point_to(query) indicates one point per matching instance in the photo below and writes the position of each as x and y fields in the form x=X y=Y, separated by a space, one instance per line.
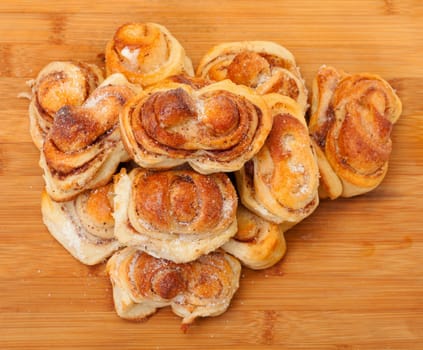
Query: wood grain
x=353 y=274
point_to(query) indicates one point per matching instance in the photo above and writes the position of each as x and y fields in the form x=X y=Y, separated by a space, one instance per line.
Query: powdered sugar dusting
x=199 y=104
x=131 y=56
x=262 y=78
x=296 y=168
x=286 y=141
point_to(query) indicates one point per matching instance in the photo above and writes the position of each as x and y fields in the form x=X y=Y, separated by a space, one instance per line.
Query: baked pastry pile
x=181 y=179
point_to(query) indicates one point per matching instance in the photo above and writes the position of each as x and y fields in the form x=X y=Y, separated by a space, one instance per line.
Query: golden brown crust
x=84 y=226
x=258 y=243
x=351 y=122
x=59 y=84
x=177 y=214
x=262 y=65
x=146 y=53
x=216 y=128
x=142 y=283
x=281 y=182
x=83 y=147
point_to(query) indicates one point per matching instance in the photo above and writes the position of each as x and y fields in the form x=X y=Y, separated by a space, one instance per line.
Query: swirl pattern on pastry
x=59 y=84
x=281 y=182
x=146 y=53
x=216 y=128
x=258 y=243
x=351 y=122
x=176 y=214
x=263 y=65
x=84 y=225
x=83 y=147
x=201 y=288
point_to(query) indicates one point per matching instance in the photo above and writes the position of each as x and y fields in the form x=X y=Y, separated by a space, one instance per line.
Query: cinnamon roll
x=59 y=84
x=142 y=284
x=84 y=225
x=215 y=128
x=352 y=116
x=280 y=183
x=263 y=65
x=258 y=243
x=146 y=53
x=176 y=214
x=83 y=147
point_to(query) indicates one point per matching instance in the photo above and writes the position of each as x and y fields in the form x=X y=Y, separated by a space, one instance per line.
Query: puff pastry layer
x=83 y=147
x=59 y=84
x=142 y=284
x=263 y=65
x=215 y=128
x=146 y=53
x=177 y=214
x=258 y=243
x=84 y=225
x=351 y=122
x=281 y=182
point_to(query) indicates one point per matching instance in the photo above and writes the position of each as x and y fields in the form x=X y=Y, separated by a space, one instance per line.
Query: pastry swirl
x=263 y=65
x=258 y=243
x=59 y=84
x=83 y=147
x=280 y=183
x=201 y=288
x=84 y=225
x=351 y=122
x=215 y=128
x=146 y=53
x=177 y=214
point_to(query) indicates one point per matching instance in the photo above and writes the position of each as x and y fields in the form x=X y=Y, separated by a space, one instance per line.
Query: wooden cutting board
x=353 y=274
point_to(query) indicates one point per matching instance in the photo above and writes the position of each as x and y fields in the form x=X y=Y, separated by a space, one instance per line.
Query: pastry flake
x=178 y=215
x=215 y=128
x=85 y=225
x=201 y=288
x=352 y=116
x=264 y=66
x=83 y=148
x=280 y=183
x=146 y=53
x=58 y=84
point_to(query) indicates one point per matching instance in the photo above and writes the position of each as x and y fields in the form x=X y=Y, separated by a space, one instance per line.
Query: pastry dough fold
x=177 y=214
x=146 y=53
x=84 y=225
x=59 y=84
x=281 y=182
x=215 y=128
x=258 y=243
x=264 y=66
x=351 y=122
x=83 y=147
x=201 y=288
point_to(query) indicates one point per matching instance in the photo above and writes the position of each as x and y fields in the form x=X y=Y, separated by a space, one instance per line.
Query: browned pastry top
x=98 y=205
x=146 y=53
x=165 y=117
x=203 y=278
x=76 y=128
x=262 y=65
x=217 y=127
x=247 y=67
x=63 y=83
x=352 y=121
x=149 y=40
x=184 y=201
